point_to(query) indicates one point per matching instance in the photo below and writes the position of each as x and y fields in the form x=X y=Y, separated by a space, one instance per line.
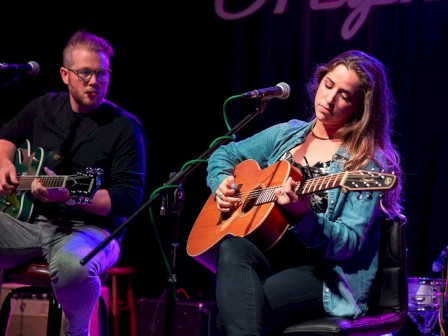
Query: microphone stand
x=17 y=77
x=177 y=179
x=177 y=205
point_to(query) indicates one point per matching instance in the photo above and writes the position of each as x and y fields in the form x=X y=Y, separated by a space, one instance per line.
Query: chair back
x=390 y=289
x=389 y=300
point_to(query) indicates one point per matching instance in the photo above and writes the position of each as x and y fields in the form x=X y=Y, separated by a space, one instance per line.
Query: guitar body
x=263 y=224
x=21 y=204
x=29 y=166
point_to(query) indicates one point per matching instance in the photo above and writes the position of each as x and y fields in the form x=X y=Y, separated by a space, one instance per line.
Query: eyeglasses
x=85 y=75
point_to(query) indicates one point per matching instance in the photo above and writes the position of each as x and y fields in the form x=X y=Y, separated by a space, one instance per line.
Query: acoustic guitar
x=257 y=216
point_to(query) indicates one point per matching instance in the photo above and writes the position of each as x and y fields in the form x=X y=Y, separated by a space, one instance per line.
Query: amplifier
x=29 y=314
x=190 y=318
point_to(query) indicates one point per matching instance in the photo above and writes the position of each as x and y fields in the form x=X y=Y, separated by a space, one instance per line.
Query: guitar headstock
x=368 y=180
x=83 y=185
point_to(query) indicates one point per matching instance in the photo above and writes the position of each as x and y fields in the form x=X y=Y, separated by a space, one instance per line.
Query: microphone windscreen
x=286 y=90
x=35 y=68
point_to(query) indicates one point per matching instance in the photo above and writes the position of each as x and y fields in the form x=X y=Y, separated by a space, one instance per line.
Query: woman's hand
x=288 y=199
x=225 y=195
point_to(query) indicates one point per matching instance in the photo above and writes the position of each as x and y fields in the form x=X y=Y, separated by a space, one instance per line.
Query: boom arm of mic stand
x=179 y=177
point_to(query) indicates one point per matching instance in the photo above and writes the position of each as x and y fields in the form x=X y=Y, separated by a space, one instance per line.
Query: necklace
x=318 y=137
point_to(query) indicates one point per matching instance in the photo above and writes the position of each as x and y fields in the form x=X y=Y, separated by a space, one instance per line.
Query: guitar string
x=25 y=177
x=269 y=190
x=49 y=181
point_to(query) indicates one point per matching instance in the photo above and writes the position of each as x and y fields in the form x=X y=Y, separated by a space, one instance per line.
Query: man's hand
x=49 y=194
x=8 y=178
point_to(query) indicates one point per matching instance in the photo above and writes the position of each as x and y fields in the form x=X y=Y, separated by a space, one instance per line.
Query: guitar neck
x=309 y=186
x=47 y=181
x=358 y=180
x=321 y=183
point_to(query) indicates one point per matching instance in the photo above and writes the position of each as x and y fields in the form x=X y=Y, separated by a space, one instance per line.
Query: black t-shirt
x=110 y=140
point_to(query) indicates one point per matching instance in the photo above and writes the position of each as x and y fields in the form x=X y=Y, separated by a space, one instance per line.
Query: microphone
x=31 y=67
x=437 y=264
x=281 y=90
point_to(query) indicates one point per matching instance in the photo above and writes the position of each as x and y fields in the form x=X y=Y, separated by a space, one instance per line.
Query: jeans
x=261 y=293
x=63 y=244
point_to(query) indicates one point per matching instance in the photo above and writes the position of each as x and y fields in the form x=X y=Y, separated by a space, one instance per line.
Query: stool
x=118 y=304
x=36 y=283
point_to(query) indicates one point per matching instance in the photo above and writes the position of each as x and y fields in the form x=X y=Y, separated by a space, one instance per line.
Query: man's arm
x=8 y=172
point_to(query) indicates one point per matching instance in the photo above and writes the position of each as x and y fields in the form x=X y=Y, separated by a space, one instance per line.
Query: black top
x=318 y=200
x=110 y=138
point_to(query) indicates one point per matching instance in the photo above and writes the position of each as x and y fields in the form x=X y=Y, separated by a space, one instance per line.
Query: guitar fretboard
x=48 y=181
x=308 y=186
x=358 y=180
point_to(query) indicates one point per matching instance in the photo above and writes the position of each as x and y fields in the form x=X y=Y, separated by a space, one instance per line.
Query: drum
x=425 y=294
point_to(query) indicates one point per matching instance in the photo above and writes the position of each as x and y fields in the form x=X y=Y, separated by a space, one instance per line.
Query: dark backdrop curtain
x=177 y=62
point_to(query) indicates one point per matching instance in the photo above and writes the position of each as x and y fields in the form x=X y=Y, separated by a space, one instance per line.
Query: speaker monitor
x=190 y=318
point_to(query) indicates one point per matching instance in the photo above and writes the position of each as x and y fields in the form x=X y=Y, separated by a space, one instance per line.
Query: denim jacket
x=346 y=235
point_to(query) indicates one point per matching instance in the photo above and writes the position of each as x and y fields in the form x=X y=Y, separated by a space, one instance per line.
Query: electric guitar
x=257 y=217
x=29 y=165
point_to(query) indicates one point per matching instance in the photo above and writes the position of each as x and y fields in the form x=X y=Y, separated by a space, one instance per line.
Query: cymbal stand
x=425 y=320
x=443 y=302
